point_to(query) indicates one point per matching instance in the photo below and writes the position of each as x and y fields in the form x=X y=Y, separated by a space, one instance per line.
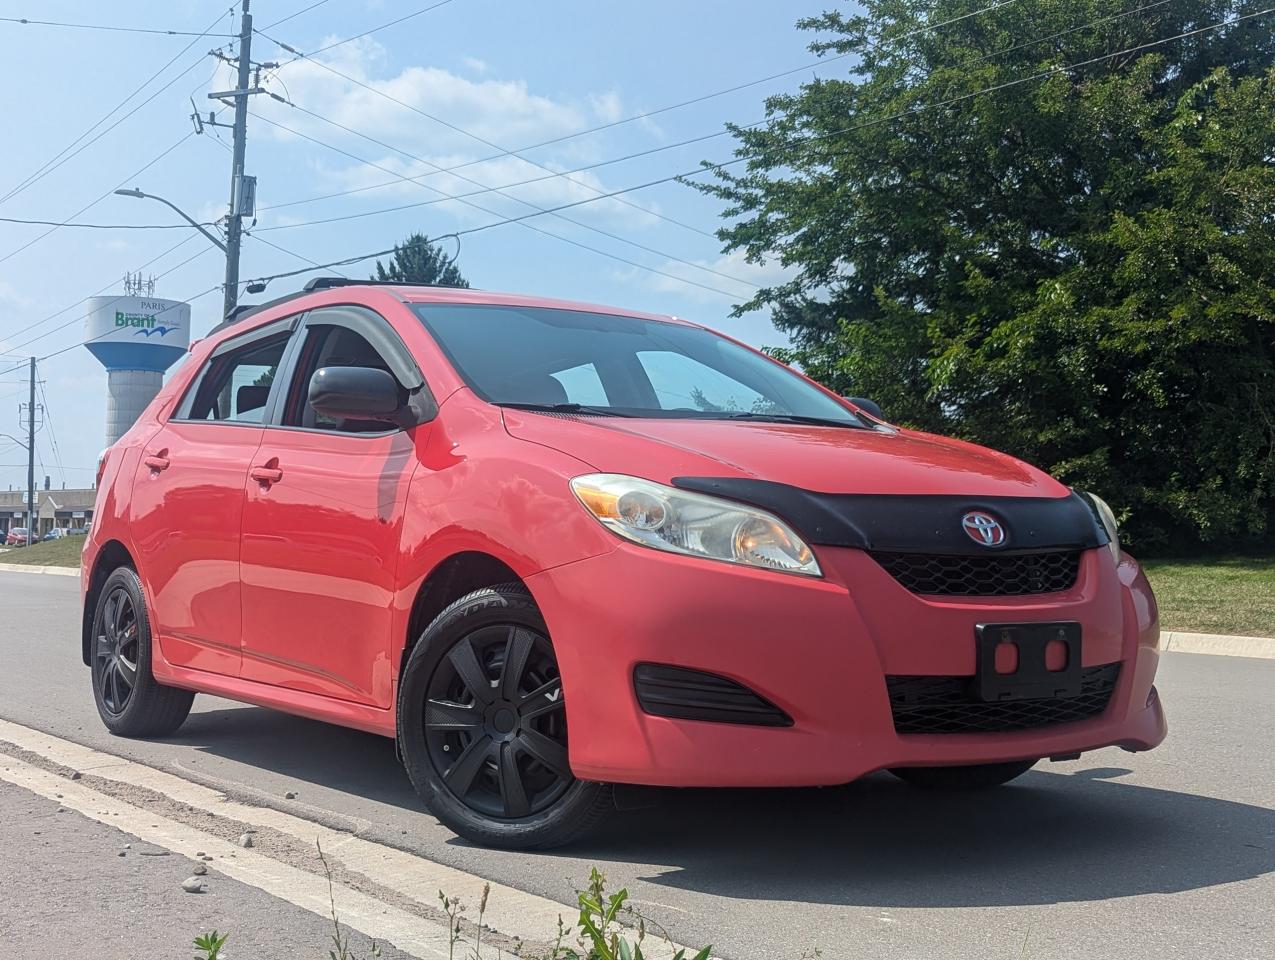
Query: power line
x=293 y=16
x=103 y=226
x=94 y=203
x=605 y=126
x=53 y=437
x=578 y=223
x=614 y=160
x=537 y=211
x=365 y=33
x=473 y=136
x=711 y=167
x=27 y=21
x=71 y=150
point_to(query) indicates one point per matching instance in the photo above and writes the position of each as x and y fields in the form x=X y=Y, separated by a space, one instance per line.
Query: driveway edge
x=32 y=568
x=1217 y=644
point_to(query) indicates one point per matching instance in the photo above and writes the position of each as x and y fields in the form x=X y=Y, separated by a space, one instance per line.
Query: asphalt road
x=1165 y=854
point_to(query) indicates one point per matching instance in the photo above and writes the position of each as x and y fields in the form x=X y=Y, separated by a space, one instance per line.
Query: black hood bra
x=907 y=523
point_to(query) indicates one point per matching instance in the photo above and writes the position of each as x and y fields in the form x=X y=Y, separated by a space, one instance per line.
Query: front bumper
x=819 y=649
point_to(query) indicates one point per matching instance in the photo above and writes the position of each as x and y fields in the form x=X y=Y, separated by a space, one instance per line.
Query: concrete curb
x=32 y=568
x=1218 y=644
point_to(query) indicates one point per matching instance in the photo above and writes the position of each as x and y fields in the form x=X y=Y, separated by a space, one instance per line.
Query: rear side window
x=235 y=386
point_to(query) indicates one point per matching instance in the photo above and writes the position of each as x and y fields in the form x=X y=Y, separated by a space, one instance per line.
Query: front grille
x=993 y=575
x=951 y=704
x=683 y=694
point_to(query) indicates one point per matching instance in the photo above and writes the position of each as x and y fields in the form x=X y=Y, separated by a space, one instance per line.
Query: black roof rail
x=327 y=283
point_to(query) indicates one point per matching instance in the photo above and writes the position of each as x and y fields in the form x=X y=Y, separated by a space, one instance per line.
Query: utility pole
x=242 y=192
x=31 y=511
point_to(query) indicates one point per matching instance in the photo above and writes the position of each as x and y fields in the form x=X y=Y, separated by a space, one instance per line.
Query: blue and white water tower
x=136 y=339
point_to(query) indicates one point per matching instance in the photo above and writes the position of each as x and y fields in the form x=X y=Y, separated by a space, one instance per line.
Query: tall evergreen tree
x=1072 y=263
x=417 y=260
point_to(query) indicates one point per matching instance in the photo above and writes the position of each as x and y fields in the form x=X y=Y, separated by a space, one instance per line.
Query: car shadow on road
x=1087 y=834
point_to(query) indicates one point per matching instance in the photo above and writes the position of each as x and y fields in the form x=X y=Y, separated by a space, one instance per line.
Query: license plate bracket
x=1036 y=650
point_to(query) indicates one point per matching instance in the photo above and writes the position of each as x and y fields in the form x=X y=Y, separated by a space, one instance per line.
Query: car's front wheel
x=129 y=699
x=975 y=777
x=483 y=728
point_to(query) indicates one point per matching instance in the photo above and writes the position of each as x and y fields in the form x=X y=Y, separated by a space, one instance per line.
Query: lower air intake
x=951 y=705
x=682 y=694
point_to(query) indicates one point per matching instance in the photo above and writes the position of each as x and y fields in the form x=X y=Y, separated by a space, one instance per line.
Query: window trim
x=246 y=340
x=381 y=335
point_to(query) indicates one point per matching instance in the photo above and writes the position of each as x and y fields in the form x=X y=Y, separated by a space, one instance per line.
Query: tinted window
x=330 y=346
x=236 y=385
x=530 y=355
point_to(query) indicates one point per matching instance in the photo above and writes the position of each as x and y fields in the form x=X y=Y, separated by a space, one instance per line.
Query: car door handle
x=158 y=461
x=268 y=474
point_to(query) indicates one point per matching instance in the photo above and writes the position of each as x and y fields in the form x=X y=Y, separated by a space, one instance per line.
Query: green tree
x=1075 y=265
x=417 y=260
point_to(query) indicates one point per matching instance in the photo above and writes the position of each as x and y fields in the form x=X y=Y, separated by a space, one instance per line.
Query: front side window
x=625 y=366
x=330 y=346
x=235 y=386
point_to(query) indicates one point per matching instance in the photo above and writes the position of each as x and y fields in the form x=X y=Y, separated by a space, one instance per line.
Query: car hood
x=823 y=459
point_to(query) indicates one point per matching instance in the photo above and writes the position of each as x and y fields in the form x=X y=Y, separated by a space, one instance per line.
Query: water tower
x=136 y=337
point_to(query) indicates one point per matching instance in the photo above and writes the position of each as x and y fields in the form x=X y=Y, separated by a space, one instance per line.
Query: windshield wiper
x=796 y=418
x=566 y=408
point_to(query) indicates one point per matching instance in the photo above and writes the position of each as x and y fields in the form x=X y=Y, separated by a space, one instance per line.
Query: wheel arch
x=455 y=576
x=110 y=557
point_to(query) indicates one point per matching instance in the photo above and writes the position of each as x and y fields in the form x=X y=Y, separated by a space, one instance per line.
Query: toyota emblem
x=983 y=529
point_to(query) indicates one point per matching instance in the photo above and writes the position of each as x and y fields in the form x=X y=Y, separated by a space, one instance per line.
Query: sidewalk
x=75 y=889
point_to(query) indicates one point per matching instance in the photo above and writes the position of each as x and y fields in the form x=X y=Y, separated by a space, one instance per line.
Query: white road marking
x=419 y=938
x=511 y=911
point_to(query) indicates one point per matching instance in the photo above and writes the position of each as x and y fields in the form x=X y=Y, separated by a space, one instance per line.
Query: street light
x=216 y=240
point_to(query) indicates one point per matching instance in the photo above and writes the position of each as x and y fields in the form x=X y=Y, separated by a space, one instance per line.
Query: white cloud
x=502 y=112
x=476 y=65
x=731 y=265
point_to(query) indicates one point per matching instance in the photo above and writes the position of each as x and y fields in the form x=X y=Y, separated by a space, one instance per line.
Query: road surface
x=1165 y=854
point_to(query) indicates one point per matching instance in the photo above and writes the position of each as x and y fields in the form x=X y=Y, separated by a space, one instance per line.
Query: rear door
x=322 y=523
x=187 y=501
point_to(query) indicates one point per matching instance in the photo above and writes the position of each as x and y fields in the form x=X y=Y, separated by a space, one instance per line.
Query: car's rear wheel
x=129 y=699
x=975 y=777
x=483 y=728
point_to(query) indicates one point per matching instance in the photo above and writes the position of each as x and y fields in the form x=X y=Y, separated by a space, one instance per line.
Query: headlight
x=1107 y=518
x=670 y=519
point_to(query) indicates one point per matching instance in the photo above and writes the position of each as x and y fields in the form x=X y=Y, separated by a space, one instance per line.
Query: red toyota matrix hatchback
x=553 y=547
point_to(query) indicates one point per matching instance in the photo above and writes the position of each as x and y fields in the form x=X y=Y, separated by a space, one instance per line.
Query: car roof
x=329 y=291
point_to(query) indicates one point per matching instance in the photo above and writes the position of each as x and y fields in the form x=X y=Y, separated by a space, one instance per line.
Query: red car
x=17 y=537
x=553 y=547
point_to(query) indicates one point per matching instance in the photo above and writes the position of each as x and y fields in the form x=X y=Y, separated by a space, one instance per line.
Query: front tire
x=976 y=777
x=130 y=701
x=483 y=729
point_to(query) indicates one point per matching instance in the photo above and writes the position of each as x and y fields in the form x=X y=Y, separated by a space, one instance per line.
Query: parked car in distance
x=57 y=533
x=77 y=531
x=17 y=537
x=552 y=547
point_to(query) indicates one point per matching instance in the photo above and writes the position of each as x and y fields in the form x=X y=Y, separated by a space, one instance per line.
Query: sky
x=512 y=73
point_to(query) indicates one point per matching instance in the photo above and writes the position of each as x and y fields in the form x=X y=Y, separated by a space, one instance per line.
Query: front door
x=323 y=518
x=187 y=503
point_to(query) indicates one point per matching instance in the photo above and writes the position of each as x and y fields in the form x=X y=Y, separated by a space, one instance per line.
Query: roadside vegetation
x=1230 y=595
x=599 y=932
x=56 y=553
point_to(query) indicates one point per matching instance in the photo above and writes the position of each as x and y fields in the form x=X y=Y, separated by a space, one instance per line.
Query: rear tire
x=130 y=701
x=976 y=777
x=482 y=727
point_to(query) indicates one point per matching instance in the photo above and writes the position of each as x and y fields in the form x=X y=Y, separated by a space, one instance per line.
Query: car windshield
x=544 y=358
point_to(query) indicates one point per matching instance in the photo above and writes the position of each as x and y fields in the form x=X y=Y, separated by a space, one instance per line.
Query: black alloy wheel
x=482 y=726
x=116 y=650
x=495 y=724
x=130 y=701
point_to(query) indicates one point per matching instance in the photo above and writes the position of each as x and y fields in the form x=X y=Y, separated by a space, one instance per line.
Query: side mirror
x=869 y=407
x=356 y=393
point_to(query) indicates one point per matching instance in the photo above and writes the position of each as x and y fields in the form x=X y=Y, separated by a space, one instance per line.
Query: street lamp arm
x=217 y=241
x=9 y=436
